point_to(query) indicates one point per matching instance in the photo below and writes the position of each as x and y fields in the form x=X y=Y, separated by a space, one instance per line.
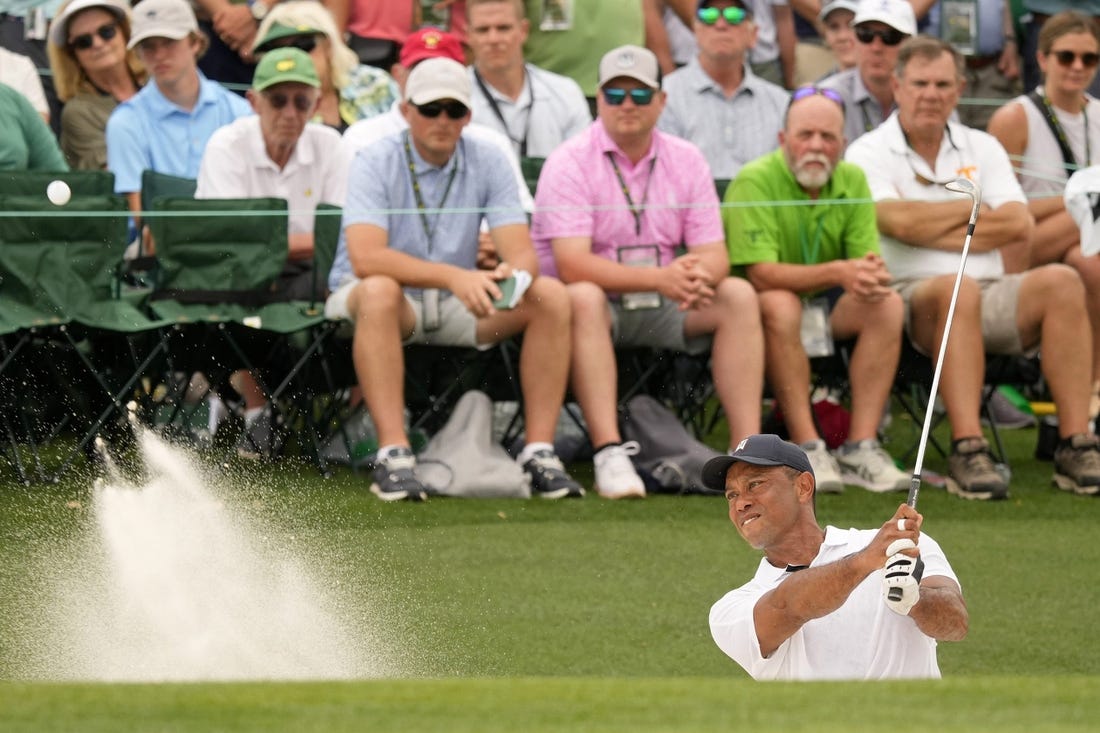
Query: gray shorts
x=457 y=326
x=999 y=298
x=661 y=328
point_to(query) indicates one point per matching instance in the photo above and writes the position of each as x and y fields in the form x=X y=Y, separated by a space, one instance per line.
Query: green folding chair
x=81 y=183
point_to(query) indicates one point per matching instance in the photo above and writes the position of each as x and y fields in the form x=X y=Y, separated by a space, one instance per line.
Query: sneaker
x=548 y=477
x=615 y=474
x=826 y=470
x=1005 y=414
x=394 y=478
x=1077 y=465
x=972 y=473
x=866 y=464
x=258 y=438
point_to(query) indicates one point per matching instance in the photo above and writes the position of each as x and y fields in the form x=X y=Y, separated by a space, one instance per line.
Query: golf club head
x=967 y=186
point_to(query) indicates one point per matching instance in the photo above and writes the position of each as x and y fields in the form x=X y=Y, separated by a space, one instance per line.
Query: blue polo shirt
x=380 y=192
x=148 y=132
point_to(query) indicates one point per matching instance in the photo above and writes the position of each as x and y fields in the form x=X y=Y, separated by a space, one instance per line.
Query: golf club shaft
x=918 y=467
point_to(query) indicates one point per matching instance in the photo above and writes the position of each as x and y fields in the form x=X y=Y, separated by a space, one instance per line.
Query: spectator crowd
x=588 y=145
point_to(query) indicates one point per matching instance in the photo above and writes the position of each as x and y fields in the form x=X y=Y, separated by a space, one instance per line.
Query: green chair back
x=532 y=168
x=222 y=245
x=720 y=185
x=33 y=183
x=159 y=185
x=326 y=238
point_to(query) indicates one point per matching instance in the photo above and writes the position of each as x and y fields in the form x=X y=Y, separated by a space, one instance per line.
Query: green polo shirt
x=798 y=234
x=27 y=143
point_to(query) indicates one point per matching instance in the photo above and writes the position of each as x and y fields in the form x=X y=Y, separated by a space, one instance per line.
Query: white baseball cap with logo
x=161 y=19
x=438 y=78
x=59 y=27
x=897 y=14
x=633 y=62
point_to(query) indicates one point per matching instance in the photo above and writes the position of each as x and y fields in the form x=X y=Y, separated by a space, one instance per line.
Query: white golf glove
x=901 y=584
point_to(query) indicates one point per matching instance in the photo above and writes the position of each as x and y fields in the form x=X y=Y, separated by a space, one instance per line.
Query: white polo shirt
x=863 y=639
x=373 y=129
x=895 y=172
x=235 y=164
x=550 y=110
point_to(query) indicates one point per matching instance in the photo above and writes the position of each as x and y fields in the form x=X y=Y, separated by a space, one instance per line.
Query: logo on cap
x=741 y=445
x=626 y=60
x=431 y=40
x=285 y=65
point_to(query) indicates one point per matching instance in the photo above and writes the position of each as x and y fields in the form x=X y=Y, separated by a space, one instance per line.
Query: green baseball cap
x=278 y=31
x=283 y=65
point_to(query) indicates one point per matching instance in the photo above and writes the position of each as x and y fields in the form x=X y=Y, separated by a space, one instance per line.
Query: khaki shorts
x=457 y=326
x=999 y=298
x=661 y=328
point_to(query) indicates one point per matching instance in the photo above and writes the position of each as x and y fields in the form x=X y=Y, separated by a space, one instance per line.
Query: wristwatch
x=259 y=9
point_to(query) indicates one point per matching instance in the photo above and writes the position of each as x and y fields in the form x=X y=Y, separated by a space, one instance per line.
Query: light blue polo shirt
x=380 y=192
x=149 y=132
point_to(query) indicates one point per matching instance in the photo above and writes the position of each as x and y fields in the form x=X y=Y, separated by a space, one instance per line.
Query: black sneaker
x=394 y=479
x=548 y=477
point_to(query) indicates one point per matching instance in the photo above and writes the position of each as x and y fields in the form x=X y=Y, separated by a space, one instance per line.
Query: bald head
x=813 y=139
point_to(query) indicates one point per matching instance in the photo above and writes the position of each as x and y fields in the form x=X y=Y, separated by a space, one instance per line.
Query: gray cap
x=852 y=5
x=161 y=19
x=759 y=450
x=634 y=62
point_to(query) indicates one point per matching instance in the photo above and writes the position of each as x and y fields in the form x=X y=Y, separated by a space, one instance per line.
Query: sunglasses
x=1066 y=58
x=84 y=41
x=302 y=43
x=278 y=100
x=615 y=96
x=810 y=90
x=454 y=110
x=889 y=36
x=733 y=15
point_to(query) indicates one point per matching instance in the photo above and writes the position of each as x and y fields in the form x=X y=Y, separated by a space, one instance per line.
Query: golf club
x=971 y=189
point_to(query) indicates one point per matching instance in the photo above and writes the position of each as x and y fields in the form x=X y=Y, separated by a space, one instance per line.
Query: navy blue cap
x=759 y=450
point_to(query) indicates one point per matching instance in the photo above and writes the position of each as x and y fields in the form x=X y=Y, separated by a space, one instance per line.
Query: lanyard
x=636 y=211
x=1060 y=133
x=811 y=249
x=420 y=207
x=522 y=142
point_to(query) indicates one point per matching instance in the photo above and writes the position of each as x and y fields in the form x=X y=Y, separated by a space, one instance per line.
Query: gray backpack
x=462 y=459
x=669 y=459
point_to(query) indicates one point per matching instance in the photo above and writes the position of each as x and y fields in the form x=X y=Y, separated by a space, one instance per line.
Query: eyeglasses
x=809 y=90
x=1066 y=58
x=107 y=31
x=278 y=100
x=454 y=110
x=615 y=96
x=302 y=43
x=733 y=15
x=889 y=36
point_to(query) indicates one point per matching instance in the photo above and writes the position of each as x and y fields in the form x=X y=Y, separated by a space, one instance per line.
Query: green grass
x=590 y=615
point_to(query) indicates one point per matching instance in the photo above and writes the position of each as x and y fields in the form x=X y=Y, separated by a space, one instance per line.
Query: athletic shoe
x=394 y=479
x=1077 y=464
x=548 y=477
x=826 y=470
x=866 y=464
x=258 y=437
x=972 y=473
x=615 y=474
x=1005 y=414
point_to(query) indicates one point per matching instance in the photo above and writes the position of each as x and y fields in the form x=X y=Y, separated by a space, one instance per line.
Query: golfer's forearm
x=941 y=614
x=815 y=592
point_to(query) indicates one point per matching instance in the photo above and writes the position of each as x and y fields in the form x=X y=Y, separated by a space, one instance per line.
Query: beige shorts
x=661 y=328
x=999 y=299
x=456 y=326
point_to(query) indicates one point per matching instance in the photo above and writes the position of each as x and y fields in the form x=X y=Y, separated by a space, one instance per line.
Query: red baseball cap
x=430 y=43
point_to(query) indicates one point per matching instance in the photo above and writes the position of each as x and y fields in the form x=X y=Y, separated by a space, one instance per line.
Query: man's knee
x=375 y=297
x=588 y=302
x=780 y=310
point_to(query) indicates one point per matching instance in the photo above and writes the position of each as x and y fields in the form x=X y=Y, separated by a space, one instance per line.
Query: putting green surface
x=580 y=615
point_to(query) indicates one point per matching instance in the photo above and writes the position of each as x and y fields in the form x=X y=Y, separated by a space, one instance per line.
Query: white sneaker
x=615 y=474
x=826 y=470
x=866 y=464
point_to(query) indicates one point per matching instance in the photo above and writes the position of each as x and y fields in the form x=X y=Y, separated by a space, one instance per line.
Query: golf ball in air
x=58 y=193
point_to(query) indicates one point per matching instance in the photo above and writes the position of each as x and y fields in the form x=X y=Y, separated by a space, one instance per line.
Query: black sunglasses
x=302 y=43
x=615 y=96
x=85 y=41
x=889 y=36
x=1066 y=58
x=454 y=110
x=278 y=100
